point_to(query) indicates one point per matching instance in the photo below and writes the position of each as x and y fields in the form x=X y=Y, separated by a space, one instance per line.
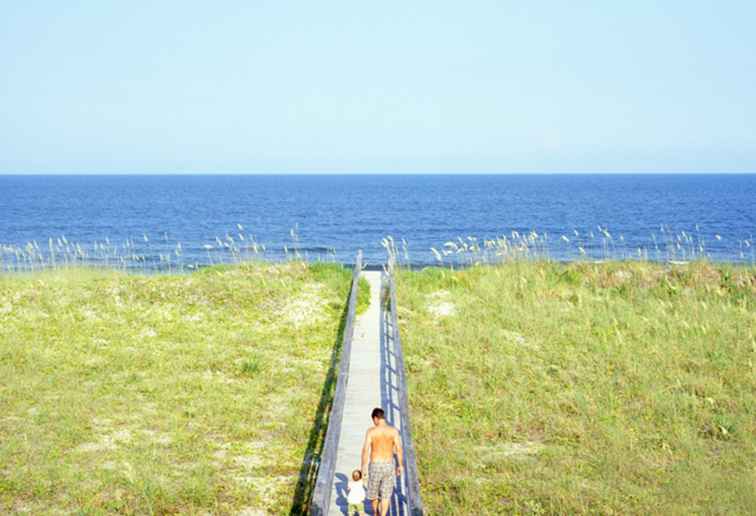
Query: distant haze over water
x=192 y=220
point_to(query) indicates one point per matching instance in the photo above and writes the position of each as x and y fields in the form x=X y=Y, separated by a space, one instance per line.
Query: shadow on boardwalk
x=390 y=389
x=309 y=470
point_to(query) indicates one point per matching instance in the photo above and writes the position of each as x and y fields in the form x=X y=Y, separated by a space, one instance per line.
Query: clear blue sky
x=421 y=86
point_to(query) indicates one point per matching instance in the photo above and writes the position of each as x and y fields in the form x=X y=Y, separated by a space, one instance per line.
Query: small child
x=356 y=494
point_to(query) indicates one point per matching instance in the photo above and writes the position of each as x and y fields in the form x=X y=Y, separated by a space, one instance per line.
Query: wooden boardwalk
x=369 y=386
x=371 y=375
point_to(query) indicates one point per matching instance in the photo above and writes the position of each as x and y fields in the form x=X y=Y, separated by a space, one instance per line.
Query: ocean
x=187 y=221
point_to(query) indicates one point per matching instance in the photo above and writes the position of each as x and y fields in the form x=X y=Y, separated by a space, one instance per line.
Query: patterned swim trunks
x=380 y=480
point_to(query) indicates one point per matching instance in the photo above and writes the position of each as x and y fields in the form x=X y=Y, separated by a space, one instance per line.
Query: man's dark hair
x=378 y=413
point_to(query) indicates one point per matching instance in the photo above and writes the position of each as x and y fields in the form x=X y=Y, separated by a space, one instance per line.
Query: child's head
x=356 y=475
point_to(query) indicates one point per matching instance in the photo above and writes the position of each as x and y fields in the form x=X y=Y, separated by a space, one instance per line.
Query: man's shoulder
x=389 y=430
x=386 y=430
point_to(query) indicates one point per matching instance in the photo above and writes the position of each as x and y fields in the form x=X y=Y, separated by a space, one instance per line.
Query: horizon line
x=385 y=173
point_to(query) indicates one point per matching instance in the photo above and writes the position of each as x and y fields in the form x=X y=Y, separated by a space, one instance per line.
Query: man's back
x=383 y=439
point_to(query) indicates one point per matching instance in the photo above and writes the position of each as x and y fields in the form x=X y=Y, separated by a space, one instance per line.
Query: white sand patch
x=31 y=313
x=282 y=403
x=288 y=363
x=20 y=507
x=94 y=361
x=157 y=437
x=99 y=341
x=216 y=377
x=501 y=451
x=220 y=455
x=107 y=442
x=248 y=461
x=251 y=511
x=440 y=305
x=147 y=333
x=149 y=408
x=305 y=309
x=514 y=337
x=102 y=422
x=88 y=314
x=121 y=436
x=475 y=480
x=267 y=487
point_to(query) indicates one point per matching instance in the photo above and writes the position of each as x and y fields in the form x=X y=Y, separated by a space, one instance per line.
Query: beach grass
x=609 y=388
x=154 y=394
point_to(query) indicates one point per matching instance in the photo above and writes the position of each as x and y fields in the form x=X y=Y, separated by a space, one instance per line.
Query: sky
x=350 y=87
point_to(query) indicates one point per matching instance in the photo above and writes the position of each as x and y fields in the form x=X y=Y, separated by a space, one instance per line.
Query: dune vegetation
x=192 y=393
x=607 y=388
x=535 y=387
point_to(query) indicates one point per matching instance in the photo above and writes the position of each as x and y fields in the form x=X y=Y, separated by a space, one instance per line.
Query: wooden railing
x=321 y=496
x=414 y=500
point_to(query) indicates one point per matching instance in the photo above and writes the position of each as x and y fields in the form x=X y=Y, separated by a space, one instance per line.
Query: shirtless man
x=381 y=441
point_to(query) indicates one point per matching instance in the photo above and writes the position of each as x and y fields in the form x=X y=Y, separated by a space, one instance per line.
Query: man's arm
x=399 y=452
x=365 y=454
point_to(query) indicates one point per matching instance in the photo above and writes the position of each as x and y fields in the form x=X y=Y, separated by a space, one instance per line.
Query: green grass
x=617 y=388
x=163 y=393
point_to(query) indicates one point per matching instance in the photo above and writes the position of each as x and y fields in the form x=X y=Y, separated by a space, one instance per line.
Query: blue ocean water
x=193 y=220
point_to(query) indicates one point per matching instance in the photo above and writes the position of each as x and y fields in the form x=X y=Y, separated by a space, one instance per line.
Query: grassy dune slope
x=161 y=394
x=607 y=388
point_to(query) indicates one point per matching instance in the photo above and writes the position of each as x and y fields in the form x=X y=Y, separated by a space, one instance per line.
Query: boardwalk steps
x=371 y=374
